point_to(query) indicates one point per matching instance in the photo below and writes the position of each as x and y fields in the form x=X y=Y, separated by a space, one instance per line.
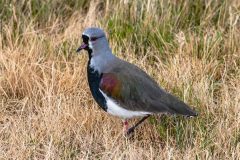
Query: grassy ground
x=191 y=48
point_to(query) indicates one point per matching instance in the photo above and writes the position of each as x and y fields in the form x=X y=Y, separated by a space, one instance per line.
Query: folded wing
x=134 y=90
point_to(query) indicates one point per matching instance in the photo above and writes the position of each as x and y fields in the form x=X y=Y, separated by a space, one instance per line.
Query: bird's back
x=139 y=92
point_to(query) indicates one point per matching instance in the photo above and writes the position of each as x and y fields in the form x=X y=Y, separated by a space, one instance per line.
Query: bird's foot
x=125 y=127
x=130 y=131
x=127 y=131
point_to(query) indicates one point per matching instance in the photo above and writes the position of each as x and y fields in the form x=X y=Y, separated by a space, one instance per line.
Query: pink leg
x=125 y=126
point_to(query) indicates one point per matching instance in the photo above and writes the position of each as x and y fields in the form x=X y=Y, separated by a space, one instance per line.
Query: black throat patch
x=94 y=79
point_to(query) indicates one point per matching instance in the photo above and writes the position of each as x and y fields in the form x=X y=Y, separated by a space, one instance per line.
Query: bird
x=122 y=89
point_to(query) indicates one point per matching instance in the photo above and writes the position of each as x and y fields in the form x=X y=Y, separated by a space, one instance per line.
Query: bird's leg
x=125 y=126
x=130 y=130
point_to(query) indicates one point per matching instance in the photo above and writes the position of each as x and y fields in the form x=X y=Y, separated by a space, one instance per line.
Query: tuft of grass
x=191 y=48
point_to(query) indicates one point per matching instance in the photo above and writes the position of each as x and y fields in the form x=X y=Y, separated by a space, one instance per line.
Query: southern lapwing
x=121 y=88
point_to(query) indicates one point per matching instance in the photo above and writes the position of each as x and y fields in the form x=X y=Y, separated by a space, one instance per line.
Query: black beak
x=83 y=46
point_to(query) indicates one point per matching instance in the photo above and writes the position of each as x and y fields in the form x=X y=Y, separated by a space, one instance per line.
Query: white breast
x=116 y=110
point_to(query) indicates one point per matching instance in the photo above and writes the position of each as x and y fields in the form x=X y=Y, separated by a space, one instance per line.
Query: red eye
x=93 y=38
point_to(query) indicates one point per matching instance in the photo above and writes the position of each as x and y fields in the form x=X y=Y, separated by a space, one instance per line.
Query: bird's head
x=94 y=40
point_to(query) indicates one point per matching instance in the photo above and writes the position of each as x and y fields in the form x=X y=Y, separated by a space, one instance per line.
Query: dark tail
x=179 y=107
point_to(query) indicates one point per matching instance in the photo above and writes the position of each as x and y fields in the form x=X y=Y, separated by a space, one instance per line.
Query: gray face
x=90 y=38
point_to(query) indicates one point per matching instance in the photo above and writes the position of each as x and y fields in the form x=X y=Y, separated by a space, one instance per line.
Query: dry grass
x=191 y=48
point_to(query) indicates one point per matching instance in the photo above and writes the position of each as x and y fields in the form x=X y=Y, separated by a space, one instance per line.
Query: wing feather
x=134 y=90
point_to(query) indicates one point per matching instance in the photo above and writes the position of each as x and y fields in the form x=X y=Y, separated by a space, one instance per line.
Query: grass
x=191 y=48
